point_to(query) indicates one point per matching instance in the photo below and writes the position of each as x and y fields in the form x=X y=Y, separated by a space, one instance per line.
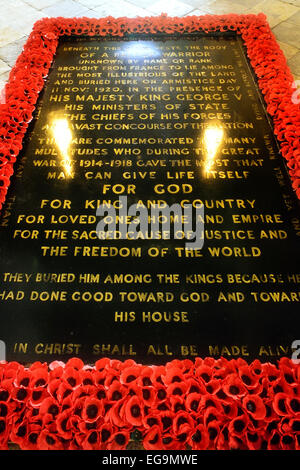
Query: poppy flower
x=147 y=395
x=22 y=379
x=86 y=377
x=193 y=402
x=153 y=439
x=212 y=414
x=161 y=394
x=118 y=441
x=19 y=432
x=145 y=377
x=270 y=371
x=72 y=377
x=64 y=390
x=75 y=363
x=92 y=409
x=177 y=404
x=37 y=396
x=91 y=441
x=39 y=377
x=21 y=394
x=199 y=438
x=195 y=386
x=4 y=433
x=248 y=378
x=166 y=419
x=116 y=392
x=102 y=364
x=210 y=401
x=234 y=387
x=213 y=386
x=287 y=442
x=106 y=432
x=288 y=375
x=64 y=425
x=222 y=441
x=151 y=419
x=82 y=391
x=55 y=373
x=130 y=374
x=176 y=389
x=50 y=406
x=254 y=405
x=170 y=442
x=114 y=414
x=133 y=411
x=111 y=376
x=280 y=404
x=238 y=426
x=230 y=408
x=49 y=441
x=172 y=375
x=157 y=373
x=205 y=373
x=99 y=377
x=6 y=387
x=274 y=441
x=182 y=419
x=30 y=443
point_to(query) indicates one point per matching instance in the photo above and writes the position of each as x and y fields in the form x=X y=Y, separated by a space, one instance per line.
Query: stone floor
x=18 y=16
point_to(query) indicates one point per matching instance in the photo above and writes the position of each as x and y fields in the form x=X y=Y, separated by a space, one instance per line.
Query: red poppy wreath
x=202 y=404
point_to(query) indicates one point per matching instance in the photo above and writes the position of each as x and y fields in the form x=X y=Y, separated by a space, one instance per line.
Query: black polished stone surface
x=182 y=116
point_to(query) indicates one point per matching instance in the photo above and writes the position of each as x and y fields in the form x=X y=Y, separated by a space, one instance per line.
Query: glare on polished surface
x=136 y=50
x=63 y=137
x=213 y=137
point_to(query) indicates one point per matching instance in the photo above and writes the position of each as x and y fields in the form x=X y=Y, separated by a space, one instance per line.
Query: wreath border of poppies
x=202 y=404
x=214 y=404
x=27 y=77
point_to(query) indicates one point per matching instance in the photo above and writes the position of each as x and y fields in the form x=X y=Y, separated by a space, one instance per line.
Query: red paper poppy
x=116 y=392
x=147 y=395
x=254 y=405
x=182 y=420
x=234 y=387
x=238 y=426
x=39 y=377
x=170 y=442
x=119 y=440
x=72 y=377
x=193 y=402
x=49 y=441
x=133 y=411
x=130 y=374
x=106 y=432
x=172 y=375
x=92 y=409
x=91 y=441
x=205 y=373
x=152 y=419
x=199 y=438
x=274 y=441
x=116 y=414
x=21 y=394
x=153 y=439
x=177 y=404
x=64 y=424
x=145 y=377
x=176 y=389
x=280 y=404
x=50 y=406
x=37 y=396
